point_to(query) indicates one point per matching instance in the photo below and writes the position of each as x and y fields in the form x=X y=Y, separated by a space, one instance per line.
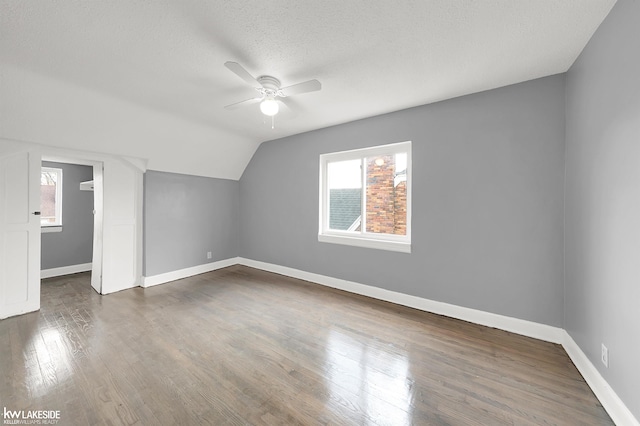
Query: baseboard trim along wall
x=187 y=272
x=616 y=408
x=527 y=328
x=65 y=270
x=605 y=394
x=609 y=399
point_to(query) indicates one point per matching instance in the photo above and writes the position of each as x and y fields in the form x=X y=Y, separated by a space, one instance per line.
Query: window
x=50 y=197
x=365 y=197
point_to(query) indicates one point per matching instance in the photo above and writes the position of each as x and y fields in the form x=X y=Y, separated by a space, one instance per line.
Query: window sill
x=48 y=229
x=397 y=246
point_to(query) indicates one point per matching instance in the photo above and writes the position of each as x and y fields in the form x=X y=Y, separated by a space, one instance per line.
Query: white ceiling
x=146 y=78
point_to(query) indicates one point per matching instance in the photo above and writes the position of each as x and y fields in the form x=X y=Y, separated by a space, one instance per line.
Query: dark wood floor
x=241 y=346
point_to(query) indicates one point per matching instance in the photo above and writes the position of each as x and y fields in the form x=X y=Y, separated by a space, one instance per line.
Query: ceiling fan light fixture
x=269 y=107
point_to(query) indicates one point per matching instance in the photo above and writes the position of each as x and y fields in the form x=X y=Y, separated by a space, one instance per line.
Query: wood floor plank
x=240 y=346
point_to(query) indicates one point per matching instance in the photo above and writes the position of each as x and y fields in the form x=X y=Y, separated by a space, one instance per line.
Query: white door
x=19 y=232
x=121 y=233
x=98 y=203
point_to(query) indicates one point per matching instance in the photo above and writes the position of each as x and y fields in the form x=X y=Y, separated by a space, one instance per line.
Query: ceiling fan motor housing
x=270 y=86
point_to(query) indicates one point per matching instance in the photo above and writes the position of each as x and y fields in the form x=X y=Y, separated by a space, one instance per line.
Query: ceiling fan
x=268 y=89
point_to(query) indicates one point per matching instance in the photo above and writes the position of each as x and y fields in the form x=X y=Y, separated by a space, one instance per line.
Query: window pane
x=345 y=195
x=386 y=204
x=48 y=183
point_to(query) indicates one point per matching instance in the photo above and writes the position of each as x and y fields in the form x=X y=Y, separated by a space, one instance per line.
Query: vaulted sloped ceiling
x=146 y=78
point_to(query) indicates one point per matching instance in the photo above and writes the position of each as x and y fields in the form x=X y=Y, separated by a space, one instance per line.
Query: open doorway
x=71 y=218
x=117 y=238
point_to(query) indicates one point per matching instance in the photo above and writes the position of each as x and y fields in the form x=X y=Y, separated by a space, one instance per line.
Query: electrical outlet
x=605 y=356
x=209 y=255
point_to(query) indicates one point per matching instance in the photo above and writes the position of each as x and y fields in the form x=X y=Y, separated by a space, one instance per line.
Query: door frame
x=98 y=206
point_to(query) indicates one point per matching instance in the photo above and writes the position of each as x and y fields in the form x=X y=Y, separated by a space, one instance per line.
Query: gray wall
x=602 y=299
x=487 y=202
x=185 y=217
x=74 y=245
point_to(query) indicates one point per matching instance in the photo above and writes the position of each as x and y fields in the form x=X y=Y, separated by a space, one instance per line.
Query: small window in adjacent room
x=365 y=197
x=50 y=197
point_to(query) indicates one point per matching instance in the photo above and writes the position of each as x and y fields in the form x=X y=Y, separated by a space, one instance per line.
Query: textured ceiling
x=146 y=78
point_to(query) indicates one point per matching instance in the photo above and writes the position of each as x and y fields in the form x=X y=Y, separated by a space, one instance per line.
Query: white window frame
x=399 y=243
x=58 y=222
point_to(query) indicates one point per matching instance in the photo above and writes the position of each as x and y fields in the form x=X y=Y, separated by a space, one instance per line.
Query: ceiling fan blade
x=243 y=103
x=296 y=89
x=239 y=70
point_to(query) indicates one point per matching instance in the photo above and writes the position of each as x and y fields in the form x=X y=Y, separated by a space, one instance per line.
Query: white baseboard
x=605 y=394
x=187 y=272
x=609 y=399
x=616 y=409
x=65 y=270
x=526 y=328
